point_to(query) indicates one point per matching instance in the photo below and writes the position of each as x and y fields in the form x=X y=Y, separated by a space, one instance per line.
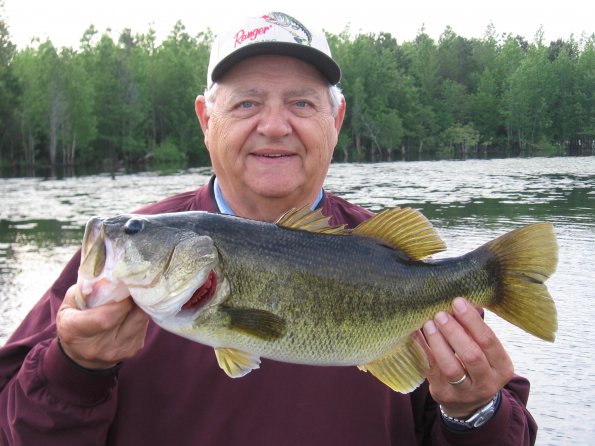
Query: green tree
x=9 y=95
x=117 y=73
x=178 y=73
x=563 y=58
x=129 y=100
x=423 y=68
x=486 y=108
x=371 y=81
x=100 y=60
x=33 y=108
x=78 y=129
x=585 y=94
x=55 y=101
x=530 y=97
x=455 y=61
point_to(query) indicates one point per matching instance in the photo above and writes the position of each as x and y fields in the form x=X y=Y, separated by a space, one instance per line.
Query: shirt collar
x=224 y=207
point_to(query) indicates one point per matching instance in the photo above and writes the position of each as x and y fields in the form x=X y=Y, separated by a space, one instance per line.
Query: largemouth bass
x=303 y=291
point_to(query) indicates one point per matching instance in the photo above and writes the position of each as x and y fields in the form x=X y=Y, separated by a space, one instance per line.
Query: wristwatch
x=478 y=419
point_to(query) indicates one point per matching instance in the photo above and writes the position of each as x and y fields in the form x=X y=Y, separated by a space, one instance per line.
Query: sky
x=64 y=21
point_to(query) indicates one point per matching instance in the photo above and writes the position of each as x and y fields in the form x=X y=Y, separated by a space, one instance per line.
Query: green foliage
x=168 y=153
x=461 y=138
x=132 y=99
x=9 y=95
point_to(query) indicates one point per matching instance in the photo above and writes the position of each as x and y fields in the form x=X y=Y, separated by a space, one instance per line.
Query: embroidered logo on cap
x=241 y=36
x=298 y=31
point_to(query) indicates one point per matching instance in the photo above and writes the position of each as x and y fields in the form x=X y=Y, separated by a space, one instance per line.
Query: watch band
x=477 y=419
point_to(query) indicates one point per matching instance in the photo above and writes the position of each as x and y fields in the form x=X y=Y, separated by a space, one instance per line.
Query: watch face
x=482 y=416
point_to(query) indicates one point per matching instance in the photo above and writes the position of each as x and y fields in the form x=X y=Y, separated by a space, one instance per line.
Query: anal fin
x=236 y=363
x=403 y=369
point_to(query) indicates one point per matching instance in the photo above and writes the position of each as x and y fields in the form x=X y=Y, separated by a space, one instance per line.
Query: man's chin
x=276 y=185
x=278 y=193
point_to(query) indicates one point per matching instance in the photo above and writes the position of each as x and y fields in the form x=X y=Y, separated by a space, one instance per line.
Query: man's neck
x=265 y=209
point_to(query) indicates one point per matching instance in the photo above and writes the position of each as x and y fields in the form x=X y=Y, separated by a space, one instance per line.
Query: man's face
x=270 y=131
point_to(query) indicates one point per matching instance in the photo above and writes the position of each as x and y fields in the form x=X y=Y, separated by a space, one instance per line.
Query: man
x=271 y=116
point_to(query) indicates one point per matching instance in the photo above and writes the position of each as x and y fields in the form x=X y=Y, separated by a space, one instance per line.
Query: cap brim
x=327 y=66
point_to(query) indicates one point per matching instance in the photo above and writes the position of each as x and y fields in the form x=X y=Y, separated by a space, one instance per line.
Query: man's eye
x=301 y=104
x=246 y=104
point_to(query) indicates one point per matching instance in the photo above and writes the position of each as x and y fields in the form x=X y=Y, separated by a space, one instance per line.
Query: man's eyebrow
x=303 y=91
x=243 y=92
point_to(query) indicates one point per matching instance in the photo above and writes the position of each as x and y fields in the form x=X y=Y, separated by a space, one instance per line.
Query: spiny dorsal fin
x=403 y=369
x=236 y=363
x=306 y=219
x=404 y=229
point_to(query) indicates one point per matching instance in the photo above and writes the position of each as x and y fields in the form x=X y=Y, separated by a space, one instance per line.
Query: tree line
x=130 y=100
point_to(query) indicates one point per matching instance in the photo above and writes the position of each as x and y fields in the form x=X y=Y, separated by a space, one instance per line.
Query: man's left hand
x=468 y=364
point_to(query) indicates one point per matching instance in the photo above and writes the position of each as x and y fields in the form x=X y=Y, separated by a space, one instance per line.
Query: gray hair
x=334 y=92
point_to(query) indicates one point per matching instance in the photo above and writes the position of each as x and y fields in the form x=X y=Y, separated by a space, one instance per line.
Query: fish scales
x=339 y=288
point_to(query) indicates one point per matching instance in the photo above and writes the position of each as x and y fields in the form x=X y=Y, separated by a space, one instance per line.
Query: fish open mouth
x=203 y=293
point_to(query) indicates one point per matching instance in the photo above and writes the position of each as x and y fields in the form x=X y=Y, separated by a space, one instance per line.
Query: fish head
x=168 y=271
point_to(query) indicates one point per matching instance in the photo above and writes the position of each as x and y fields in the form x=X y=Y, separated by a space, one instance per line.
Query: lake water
x=469 y=202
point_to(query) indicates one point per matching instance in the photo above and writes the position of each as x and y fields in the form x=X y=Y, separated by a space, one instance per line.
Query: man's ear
x=202 y=113
x=340 y=115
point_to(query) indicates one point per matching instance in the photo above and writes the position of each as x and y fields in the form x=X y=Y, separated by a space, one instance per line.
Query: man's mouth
x=274 y=155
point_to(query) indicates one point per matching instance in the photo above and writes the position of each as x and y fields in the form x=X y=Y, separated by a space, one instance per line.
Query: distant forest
x=130 y=100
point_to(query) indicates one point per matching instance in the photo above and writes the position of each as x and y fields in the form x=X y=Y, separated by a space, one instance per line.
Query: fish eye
x=134 y=226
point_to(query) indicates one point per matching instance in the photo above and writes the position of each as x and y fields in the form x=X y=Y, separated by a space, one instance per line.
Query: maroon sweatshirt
x=174 y=393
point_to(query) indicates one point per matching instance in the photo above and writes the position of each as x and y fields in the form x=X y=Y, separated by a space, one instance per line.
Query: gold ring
x=458 y=381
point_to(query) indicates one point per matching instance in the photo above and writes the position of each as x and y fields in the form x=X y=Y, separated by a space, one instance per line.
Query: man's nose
x=274 y=122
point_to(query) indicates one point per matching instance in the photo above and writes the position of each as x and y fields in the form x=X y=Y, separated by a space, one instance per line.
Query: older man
x=271 y=116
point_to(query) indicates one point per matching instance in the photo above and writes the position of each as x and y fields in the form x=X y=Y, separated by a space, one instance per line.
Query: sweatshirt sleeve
x=41 y=392
x=511 y=425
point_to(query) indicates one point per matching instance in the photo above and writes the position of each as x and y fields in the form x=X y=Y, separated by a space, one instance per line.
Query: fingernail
x=441 y=318
x=429 y=328
x=459 y=305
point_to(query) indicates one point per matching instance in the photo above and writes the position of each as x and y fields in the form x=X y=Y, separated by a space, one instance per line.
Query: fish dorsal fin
x=404 y=229
x=306 y=219
x=403 y=369
x=236 y=363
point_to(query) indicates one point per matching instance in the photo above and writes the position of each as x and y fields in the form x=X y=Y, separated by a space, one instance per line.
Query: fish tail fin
x=525 y=259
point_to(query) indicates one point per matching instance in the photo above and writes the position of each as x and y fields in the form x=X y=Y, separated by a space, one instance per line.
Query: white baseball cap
x=273 y=33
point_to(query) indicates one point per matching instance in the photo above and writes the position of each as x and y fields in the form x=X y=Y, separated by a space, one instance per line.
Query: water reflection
x=470 y=202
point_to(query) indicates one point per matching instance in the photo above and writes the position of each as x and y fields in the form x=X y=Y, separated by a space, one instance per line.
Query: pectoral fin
x=236 y=363
x=403 y=370
x=254 y=322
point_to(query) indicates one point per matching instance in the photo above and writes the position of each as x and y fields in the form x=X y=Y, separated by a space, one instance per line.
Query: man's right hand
x=100 y=337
